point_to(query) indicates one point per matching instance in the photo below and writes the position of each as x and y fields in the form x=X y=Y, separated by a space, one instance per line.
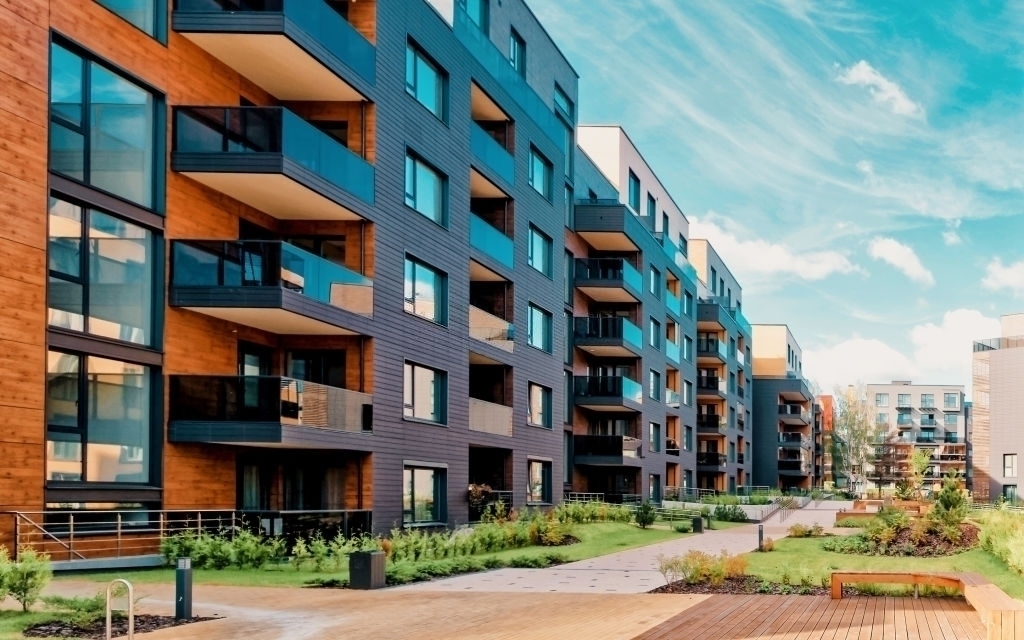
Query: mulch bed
x=98 y=630
x=935 y=544
x=744 y=585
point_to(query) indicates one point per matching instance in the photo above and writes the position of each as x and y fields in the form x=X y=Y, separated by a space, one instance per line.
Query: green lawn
x=805 y=557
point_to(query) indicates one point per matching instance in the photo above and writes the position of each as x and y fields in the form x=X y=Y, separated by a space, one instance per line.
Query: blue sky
x=860 y=166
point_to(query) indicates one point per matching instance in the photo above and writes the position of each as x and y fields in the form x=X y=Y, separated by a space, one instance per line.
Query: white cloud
x=883 y=90
x=856 y=360
x=902 y=257
x=999 y=276
x=943 y=351
x=951 y=236
x=755 y=258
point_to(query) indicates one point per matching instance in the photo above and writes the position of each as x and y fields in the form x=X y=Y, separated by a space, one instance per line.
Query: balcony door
x=253 y=360
x=321 y=367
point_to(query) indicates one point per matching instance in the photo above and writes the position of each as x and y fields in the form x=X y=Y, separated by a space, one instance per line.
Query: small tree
x=951 y=502
x=919 y=461
x=645 y=515
x=28 y=576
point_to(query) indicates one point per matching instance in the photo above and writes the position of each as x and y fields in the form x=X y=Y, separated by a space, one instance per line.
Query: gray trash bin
x=366 y=569
x=698 y=525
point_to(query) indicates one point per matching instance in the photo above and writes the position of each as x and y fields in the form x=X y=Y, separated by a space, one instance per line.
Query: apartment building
x=785 y=445
x=826 y=404
x=996 y=406
x=724 y=398
x=283 y=257
x=912 y=417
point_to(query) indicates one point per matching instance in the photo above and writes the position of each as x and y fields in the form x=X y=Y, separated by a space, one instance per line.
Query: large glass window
x=654 y=385
x=539 y=251
x=951 y=401
x=540 y=173
x=539 y=329
x=425 y=189
x=656 y=283
x=903 y=400
x=425 y=394
x=949 y=420
x=97 y=420
x=881 y=399
x=103 y=128
x=478 y=12
x=424 y=80
x=101 y=274
x=654 y=436
x=655 y=333
x=426 y=291
x=517 y=52
x=539 y=408
x=141 y=13
x=634 y=192
x=423 y=494
x=539 y=476
x=927 y=399
x=563 y=105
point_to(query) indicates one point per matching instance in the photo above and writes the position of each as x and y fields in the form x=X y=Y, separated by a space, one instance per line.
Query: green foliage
x=250 y=550
x=583 y=512
x=850 y=523
x=178 y=545
x=80 y=610
x=904 y=489
x=855 y=544
x=730 y=513
x=26 y=578
x=951 y=504
x=683 y=526
x=1002 y=534
x=645 y=515
x=696 y=567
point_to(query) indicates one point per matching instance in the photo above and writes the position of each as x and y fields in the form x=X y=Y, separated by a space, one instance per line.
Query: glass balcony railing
x=672 y=398
x=670 y=248
x=261 y=263
x=712 y=346
x=606 y=446
x=611 y=270
x=795 y=411
x=599 y=327
x=608 y=387
x=672 y=351
x=223 y=132
x=711 y=422
x=711 y=383
x=490 y=328
x=794 y=439
x=711 y=459
x=491 y=241
x=491 y=153
x=673 y=303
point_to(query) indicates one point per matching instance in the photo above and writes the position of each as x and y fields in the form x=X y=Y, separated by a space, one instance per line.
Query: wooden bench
x=1002 y=615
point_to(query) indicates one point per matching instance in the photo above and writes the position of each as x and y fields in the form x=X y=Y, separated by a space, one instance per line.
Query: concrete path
x=634 y=570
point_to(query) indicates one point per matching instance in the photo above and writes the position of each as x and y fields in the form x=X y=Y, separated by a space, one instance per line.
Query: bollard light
x=183 y=589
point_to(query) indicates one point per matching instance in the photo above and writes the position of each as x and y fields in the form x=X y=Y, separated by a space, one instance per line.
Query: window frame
x=545 y=473
x=412 y=180
x=440 y=301
x=440 y=381
x=547 y=338
x=517 y=52
x=882 y=400
x=544 y=395
x=415 y=54
x=634 y=192
x=547 y=171
x=439 y=512
x=654 y=390
x=159 y=26
x=1009 y=465
x=534 y=236
x=946 y=403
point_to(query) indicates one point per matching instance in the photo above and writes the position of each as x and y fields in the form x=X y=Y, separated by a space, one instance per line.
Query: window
x=567 y=271
x=567 y=397
x=539 y=251
x=567 y=335
x=540 y=173
x=949 y=420
x=652 y=210
x=425 y=189
x=881 y=399
x=951 y=401
x=654 y=437
x=1009 y=465
x=902 y=419
x=656 y=283
x=927 y=399
x=568 y=147
x=98 y=420
x=425 y=81
x=688 y=304
x=1010 y=493
x=426 y=291
x=714 y=284
x=101 y=274
x=688 y=348
x=654 y=385
x=539 y=481
x=144 y=14
x=634 y=192
x=539 y=329
x=688 y=438
x=687 y=393
x=567 y=207
x=684 y=246
x=103 y=128
x=882 y=418
x=517 y=52
x=425 y=394
x=539 y=409
x=478 y=12
x=903 y=400
x=423 y=494
x=563 y=105
x=655 y=333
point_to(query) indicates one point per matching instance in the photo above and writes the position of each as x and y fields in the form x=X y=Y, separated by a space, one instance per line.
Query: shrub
x=212 y=551
x=730 y=513
x=850 y=523
x=250 y=550
x=81 y=611
x=27 y=577
x=767 y=545
x=645 y=515
x=950 y=503
x=799 y=531
x=301 y=553
x=683 y=526
x=733 y=566
x=178 y=545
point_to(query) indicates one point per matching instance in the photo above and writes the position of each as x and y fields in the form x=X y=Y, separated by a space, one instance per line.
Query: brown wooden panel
x=19 y=198
x=24 y=306
x=23 y=48
x=23 y=150
x=22 y=100
x=21 y=476
x=199 y=477
x=363 y=16
x=22 y=426
x=23 y=369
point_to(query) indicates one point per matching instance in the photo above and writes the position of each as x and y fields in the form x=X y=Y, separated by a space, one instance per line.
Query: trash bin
x=698 y=524
x=366 y=569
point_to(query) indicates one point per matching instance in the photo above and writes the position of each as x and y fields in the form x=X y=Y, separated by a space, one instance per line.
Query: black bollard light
x=183 y=589
x=760 y=537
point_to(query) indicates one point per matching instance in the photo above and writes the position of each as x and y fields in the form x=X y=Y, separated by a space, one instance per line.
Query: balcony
x=904 y=424
x=711 y=460
x=740 y=458
x=671 y=446
x=794 y=440
x=673 y=304
x=672 y=398
x=491 y=241
x=293 y=49
x=711 y=348
x=491 y=154
x=608 y=280
x=741 y=359
x=491 y=329
x=271 y=159
x=606 y=451
x=927 y=404
x=926 y=439
x=488 y=417
x=711 y=423
x=672 y=351
x=740 y=392
x=608 y=337
x=265 y=411
x=794 y=414
x=794 y=467
x=711 y=385
x=952 y=438
x=668 y=245
x=719 y=314
x=607 y=393
x=929 y=423
x=269 y=285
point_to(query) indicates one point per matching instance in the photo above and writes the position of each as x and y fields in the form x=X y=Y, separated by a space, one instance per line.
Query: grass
x=798 y=557
x=12 y=623
x=596 y=539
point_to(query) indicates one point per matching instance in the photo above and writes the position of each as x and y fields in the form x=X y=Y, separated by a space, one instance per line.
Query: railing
x=245 y=130
x=491 y=240
x=673 y=304
x=711 y=459
x=741 y=358
x=80 y=535
x=711 y=422
x=711 y=346
x=925 y=422
x=927 y=440
x=248 y=399
x=711 y=383
x=672 y=351
x=493 y=497
x=490 y=328
x=582 y=496
x=672 y=446
x=251 y=263
x=952 y=439
x=740 y=391
x=493 y=154
x=801 y=466
x=608 y=387
x=795 y=410
x=794 y=438
x=609 y=269
x=600 y=327
x=489 y=417
x=670 y=248
x=672 y=398
x=739 y=458
x=606 y=446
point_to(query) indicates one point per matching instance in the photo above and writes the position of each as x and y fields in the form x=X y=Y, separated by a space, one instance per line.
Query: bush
x=250 y=551
x=799 y=531
x=850 y=523
x=730 y=513
x=81 y=611
x=645 y=515
x=855 y=544
x=27 y=577
x=683 y=526
x=767 y=545
x=950 y=503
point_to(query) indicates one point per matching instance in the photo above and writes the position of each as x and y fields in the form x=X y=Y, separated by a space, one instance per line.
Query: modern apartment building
x=913 y=417
x=785 y=443
x=289 y=256
x=631 y=310
x=996 y=406
x=724 y=398
x=825 y=410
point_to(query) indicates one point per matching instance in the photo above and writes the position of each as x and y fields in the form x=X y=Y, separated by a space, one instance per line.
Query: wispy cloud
x=951 y=236
x=883 y=90
x=999 y=276
x=901 y=256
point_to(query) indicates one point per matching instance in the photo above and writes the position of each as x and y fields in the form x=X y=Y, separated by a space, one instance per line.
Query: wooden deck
x=734 y=617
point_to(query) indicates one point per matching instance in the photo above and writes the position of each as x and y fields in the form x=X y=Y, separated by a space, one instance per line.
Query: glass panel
x=65 y=244
x=141 y=13
x=67 y=152
x=64 y=300
x=422 y=490
x=118 y=422
x=120 y=279
x=66 y=85
x=62 y=389
x=121 y=137
x=64 y=457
